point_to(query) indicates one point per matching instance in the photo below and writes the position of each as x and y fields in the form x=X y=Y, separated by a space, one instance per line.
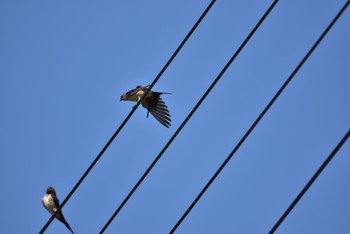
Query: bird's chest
x=47 y=203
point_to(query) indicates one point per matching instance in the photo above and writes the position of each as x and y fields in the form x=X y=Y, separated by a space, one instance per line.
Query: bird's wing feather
x=55 y=201
x=156 y=106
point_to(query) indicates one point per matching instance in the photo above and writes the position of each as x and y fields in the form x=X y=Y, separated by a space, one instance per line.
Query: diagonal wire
x=311 y=181
x=259 y=118
x=129 y=116
x=188 y=117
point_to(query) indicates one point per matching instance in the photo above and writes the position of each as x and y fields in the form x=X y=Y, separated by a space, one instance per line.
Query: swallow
x=152 y=102
x=51 y=203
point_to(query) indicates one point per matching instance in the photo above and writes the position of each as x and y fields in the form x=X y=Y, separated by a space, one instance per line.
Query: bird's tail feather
x=63 y=220
x=70 y=229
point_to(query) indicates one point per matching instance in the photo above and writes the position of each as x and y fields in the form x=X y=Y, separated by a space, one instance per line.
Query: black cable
x=311 y=181
x=257 y=120
x=188 y=117
x=128 y=117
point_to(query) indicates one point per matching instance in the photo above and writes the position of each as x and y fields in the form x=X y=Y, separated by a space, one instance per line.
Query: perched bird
x=152 y=102
x=51 y=203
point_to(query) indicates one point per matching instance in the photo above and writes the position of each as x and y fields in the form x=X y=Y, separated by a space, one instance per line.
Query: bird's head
x=51 y=190
x=123 y=97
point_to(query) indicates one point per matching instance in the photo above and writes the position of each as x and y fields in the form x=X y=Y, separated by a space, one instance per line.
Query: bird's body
x=152 y=102
x=135 y=94
x=51 y=203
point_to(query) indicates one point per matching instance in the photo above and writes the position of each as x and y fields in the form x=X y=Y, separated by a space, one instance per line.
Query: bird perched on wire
x=152 y=102
x=51 y=203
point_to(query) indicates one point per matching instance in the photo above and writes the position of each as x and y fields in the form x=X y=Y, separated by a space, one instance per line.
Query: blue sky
x=64 y=65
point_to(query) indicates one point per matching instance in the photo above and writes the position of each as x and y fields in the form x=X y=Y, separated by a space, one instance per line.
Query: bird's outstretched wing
x=156 y=106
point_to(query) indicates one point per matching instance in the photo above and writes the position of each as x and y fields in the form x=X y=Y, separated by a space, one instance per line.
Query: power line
x=258 y=119
x=129 y=116
x=188 y=117
x=311 y=181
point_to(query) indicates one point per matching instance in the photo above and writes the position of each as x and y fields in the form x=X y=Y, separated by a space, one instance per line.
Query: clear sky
x=64 y=65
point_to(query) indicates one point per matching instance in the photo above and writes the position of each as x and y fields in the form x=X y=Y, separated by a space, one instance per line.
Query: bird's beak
x=122 y=97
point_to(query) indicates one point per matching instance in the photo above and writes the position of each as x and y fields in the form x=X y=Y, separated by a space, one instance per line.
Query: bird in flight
x=152 y=102
x=51 y=203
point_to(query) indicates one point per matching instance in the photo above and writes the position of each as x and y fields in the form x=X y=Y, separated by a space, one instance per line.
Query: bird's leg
x=138 y=99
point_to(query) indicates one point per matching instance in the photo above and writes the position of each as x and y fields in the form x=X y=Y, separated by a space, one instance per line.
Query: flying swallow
x=51 y=203
x=152 y=102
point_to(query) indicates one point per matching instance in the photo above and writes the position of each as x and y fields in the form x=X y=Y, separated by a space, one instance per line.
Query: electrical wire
x=258 y=119
x=188 y=117
x=129 y=115
x=311 y=181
